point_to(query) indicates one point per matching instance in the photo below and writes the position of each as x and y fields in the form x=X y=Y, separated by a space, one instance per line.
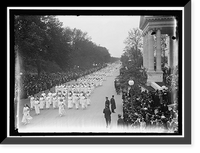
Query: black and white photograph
x=110 y=72
x=96 y=73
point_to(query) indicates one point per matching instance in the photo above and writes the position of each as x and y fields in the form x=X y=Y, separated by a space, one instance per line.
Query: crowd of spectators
x=33 y=84
x=150 y=109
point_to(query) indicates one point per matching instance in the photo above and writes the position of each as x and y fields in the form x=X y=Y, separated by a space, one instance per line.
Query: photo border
x=121 y=140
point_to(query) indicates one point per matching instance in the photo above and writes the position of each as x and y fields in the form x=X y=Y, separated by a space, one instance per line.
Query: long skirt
x=26 y=118
x=42 y=104
x=84 y=104
x=47 y=104
x=54 y=103
x=88 y=101
x=77 y=104
x=61 y=110
x=37 y=109
x=32 y=104
x=70 y=103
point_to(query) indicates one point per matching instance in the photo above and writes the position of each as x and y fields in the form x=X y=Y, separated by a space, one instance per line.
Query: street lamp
x=131 y=83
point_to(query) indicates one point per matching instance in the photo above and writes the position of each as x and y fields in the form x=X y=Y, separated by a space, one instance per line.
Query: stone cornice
x=144 y=20
x=152 y=23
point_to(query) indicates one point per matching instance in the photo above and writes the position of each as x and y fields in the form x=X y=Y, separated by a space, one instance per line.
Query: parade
x=147 y=110
x=64 y=80
x=71 y=95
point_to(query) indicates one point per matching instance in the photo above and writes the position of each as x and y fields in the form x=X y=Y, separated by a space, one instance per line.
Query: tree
x=133 y=47
x=132 y=60
x=42 y=40
x=29 y=38
x=134 y=39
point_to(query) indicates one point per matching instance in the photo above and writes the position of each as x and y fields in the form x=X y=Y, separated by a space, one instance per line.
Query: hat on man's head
x=119 y=115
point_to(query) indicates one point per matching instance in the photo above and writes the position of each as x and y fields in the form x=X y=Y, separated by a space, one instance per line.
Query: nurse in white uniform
x=48 y=101
x=70 y=101
x=54 y=100
x=61 y=105
x=32 y=102
x=77 y=101
x=42 y=102
x=36 y=105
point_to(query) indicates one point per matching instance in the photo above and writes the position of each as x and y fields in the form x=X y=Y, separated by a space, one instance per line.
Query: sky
x=106 y=31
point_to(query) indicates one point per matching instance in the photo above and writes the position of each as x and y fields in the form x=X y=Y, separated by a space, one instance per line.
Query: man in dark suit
x=107 y=115
x=113 y=105
x=107 y=102
x=120 y=121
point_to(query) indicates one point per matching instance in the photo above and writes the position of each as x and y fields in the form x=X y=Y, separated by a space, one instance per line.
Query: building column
x=147 y=54
x=144 y=51
x=150 y=51
x=158 y=50
x=171 y=50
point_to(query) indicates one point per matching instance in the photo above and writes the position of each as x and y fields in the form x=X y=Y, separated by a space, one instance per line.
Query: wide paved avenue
x=88 y=120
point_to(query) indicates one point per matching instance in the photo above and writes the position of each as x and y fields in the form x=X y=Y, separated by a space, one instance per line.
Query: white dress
x=48 y=101
x=32 y=102
x=61 y=106
x=70 y=102
x=36 y=105
x=83 y=102
x=50 y=96
x=88 y=100
x=42 y=101
x=26 y=116
x=76 y=99
x=54 y=102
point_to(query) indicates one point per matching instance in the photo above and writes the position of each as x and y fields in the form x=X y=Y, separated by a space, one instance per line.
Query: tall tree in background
x=133 y=46
x=43 y=43
x=29 y=39
x=132 y=59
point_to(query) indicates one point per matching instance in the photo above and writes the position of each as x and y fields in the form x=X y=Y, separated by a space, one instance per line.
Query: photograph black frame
x=120 y=140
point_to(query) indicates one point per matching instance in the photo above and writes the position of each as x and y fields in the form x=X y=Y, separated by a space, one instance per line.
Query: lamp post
x=131 y=83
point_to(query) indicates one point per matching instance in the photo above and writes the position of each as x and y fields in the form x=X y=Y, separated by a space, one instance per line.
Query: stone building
x=153 y=27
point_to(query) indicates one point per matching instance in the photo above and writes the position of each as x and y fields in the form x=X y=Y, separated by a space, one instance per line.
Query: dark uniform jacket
x=107 y=112
x=120 y=122
x=113 y=105
x=107 y=103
